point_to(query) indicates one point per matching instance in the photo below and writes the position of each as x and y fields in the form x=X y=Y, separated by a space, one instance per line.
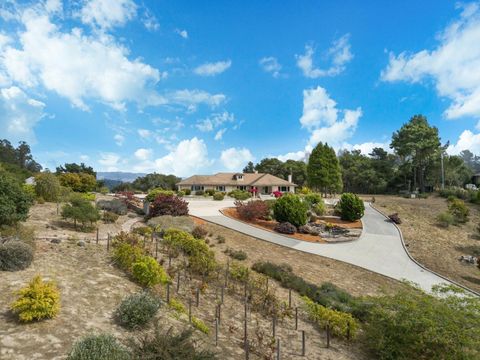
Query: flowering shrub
x=168 y=205
x=37 y=301
x=285 y=228
x=277 y=194
x=250 y=210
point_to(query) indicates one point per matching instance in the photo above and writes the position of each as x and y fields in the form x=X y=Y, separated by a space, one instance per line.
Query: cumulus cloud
x=236 y=158
x=466 y=141
x=83 y=67
x=109 y=161
x=211 y=69
x=182 y=33
x=219 y=134
x=143 y=154
x=191 y=99
x=214 y=121
x=270 y=65
x=339 y=54
x=186 y=158
x=19 y=114
x=119 y=139
x=453 y=65
x=108 y=13
x=144 y=133
x=296 y=155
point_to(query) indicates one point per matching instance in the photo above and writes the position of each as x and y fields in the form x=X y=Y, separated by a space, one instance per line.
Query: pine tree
x=323 y=170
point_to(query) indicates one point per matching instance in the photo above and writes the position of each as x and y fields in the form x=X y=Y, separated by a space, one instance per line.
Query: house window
x=197 y=187
x=284 y=188
x=239 y=177
x=220 y=188
x=241 y=187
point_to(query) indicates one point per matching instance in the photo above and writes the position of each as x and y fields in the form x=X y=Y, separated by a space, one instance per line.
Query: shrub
x=116 y=205
x=126 y=238
x=200 y=325
x=199 y=192
x=152 y=194
x=219 y=196
x=98 y=347
x=109 y=217
x=312 y=199
x=445 y=219
x=168 y=205
x=40 y=200
x=239 y=272
x=81 y=210
x=341 y=324
x=285 y=228
x=240 y=194
x=459 y=210
x=210 y=192
x=236 y=254
x=88 y=196
x=165 y=345
x=38 y=300
x=277 y=194
x=47 y=186
x=250 y=210
x=178 y=306
x=351 y=207
x=15 y=255
x=165 y=222
x=221 y=239
x=14 y=201
x=147 y=272
x=180 y=193
x=290 y=208
x=327 y=294
x=80 y=182
x=125 y=255
x=199 y=232
x=456 y=192
x=320 y=208
x=104 y=190
x=143 y=231
x=187 y=191
x=414 y=325
x=137 y=310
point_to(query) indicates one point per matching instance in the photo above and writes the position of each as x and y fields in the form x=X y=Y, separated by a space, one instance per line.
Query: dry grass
x=435 y=247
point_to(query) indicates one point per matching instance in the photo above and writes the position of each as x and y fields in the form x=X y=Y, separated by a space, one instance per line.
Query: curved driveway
x=378 y=249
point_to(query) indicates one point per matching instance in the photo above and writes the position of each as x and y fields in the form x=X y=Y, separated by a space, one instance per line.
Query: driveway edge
x=419 y=264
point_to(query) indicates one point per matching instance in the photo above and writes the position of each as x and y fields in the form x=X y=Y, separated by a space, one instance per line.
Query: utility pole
x=443 y=170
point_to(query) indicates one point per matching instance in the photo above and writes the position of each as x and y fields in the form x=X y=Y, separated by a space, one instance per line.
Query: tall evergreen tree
x=323 y=169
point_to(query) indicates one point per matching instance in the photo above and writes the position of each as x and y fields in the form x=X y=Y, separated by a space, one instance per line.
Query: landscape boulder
x=165 y=222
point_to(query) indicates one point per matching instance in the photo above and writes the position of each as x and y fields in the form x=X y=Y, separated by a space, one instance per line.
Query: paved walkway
x=378 y=249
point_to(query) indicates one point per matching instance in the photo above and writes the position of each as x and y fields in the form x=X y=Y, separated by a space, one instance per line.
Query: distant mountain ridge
x=118 y=176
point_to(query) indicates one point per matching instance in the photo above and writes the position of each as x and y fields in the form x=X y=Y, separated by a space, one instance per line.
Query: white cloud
x=150 y=21
x=270 y=64
x=83 y=67
x=144 y=133
x=143 y=154
x=367 y=147
x=297 y=155
x=215 y=121
x=54 y=6
x=466 y=141
x=236 y=158
x=188 y=157
x=119 y=139
x=339 y=54
x=19 y=114
x=220 y=133
x=453 y=66
x=109 y=161
x=108 y=13
x=192 y=98
x=84 y=157
x=182 y=33
x=211 y=69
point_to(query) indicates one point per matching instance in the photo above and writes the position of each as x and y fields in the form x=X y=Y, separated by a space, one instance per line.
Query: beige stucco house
x=264 y=183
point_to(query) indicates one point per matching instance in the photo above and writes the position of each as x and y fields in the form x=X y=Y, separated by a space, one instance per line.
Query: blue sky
x=201 y=86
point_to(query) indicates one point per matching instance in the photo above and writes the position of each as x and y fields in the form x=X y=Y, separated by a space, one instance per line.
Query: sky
x=196 y=87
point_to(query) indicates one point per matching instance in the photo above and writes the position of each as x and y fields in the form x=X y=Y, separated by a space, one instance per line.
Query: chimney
x=289 y=178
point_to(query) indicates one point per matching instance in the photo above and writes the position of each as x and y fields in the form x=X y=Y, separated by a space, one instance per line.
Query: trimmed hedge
x=290 y=208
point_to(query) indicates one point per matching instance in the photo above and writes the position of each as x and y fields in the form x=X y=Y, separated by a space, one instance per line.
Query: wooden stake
x=289 y=298
x=156 y=248
x=303 y=343
x=197 y=297
x=216 y=331
x=296 y=318
x=168 y=293
x=221 y=294
x=219 y=313
x=108 y=241
x=328 y=336
x=189 y=310
x=97 y=236
x=278 y=349
x=178 y=282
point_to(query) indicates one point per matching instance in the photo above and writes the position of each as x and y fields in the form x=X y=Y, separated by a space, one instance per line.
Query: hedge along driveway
x=378 y=249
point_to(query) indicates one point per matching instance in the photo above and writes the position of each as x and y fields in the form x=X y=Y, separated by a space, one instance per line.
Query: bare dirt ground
x=92 y=288
x=435 y=247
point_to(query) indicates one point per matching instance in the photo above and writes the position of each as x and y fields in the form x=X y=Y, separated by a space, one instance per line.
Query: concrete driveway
x=378 y=249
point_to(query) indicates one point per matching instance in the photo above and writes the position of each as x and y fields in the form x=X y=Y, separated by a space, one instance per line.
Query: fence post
x=289 y=298
x=197 y=297
x=168 y=293
x=348 y=331
x=328 y=335
x=97 y=236
x=296 y=318
x=108 y=241
x=156 y=248
x=219 y=306
x=189 y=310
x=178 y=282
x=216 y=331
x=303 y=343
x=274 y=325
x=278 y=349
x=221 y=294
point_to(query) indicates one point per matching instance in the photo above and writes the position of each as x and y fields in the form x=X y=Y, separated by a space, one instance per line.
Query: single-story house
x=264 y=183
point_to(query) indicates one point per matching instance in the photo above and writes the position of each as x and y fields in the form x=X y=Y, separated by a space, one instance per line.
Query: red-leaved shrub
x=168 y=205
x=250 y=210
